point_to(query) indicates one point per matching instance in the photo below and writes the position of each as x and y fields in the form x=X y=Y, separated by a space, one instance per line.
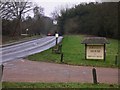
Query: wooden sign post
x=95 y=47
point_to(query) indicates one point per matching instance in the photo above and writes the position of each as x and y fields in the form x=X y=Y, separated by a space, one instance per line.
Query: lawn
x=74 y=53
x=56 y=85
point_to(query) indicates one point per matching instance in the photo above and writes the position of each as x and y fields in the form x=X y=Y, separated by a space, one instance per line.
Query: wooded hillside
x=99 y=19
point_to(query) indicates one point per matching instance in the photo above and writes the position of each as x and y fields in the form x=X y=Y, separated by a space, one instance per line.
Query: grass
x=55 y=85
x=74 y=53
x=8 y=39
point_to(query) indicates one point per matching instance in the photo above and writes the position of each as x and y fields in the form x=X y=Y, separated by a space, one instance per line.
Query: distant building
x=95 y=47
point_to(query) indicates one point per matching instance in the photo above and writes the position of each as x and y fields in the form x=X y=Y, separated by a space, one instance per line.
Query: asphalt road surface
x=27 y=48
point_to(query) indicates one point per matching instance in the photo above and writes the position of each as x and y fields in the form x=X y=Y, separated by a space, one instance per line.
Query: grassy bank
x=8 y=39
x=74 y=53
x=56 y=85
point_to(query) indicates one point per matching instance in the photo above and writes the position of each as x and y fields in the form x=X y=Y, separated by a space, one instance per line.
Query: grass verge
x=55 y=85
x=74 y=53
x=8 y=40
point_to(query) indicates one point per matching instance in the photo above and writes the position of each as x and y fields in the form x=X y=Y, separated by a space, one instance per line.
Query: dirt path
x=30 y=71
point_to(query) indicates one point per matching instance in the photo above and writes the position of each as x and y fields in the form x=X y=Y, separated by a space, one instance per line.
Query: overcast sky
x=50 y=5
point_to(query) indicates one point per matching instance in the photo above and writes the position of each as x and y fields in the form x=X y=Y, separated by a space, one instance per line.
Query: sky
x=51 y=5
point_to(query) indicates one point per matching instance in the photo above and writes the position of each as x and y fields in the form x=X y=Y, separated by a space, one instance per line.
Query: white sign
x=95 y=52
x=55 y=22
x=56 y=35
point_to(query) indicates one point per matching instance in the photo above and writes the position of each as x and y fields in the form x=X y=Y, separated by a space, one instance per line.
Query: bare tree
x=38 y=19
x=55 y=14
x=15 y=10
x=38 y=12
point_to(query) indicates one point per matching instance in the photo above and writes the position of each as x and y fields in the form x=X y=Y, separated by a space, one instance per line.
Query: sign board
x=95 y=52
x=54 y=22
x=56 y=35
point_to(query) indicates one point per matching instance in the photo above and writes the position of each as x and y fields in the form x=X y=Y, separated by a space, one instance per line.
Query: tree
x=38 y=19
x=100 y=19
x=38 y=12
x=15 y=10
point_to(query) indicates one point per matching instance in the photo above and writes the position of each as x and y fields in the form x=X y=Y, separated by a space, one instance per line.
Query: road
x=27 y=48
